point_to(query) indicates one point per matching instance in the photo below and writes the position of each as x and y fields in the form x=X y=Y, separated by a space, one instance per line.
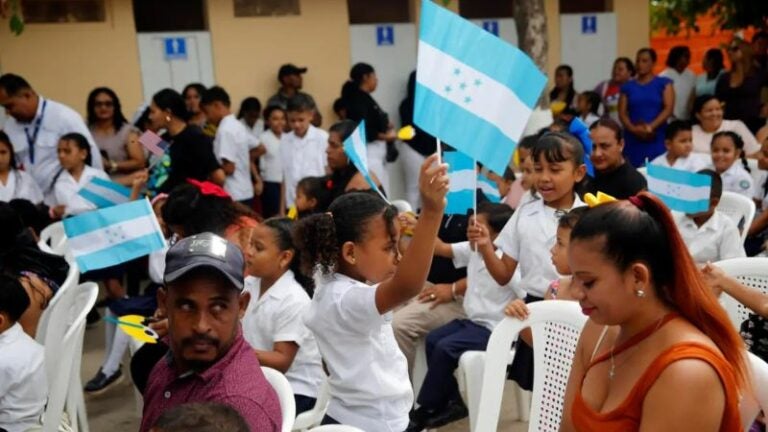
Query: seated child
x=678 y=140
x=201 y=417
x=312 y=196
x=710 y=235
x=729 y=161
x=23 y=387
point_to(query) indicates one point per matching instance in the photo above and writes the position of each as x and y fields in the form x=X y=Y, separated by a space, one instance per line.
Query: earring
x=167 y=118
x=640 y=293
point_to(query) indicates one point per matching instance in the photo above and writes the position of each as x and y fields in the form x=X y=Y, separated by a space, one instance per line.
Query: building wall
x=633 y=22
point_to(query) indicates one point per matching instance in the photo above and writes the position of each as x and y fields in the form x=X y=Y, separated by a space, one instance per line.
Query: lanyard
x=31 y=140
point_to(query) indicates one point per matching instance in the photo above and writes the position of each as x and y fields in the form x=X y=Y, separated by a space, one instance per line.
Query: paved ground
x=115 y=410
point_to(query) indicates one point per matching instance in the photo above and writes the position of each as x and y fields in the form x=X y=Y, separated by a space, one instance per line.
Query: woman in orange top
x=658 y=353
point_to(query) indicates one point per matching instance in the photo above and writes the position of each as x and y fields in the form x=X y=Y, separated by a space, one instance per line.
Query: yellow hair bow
x=601 y=198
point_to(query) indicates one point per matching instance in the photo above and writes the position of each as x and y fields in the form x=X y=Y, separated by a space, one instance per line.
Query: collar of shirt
x=535 y=206
x=14 y=333
x=734 y=169
x=278 y=291
x=714 y=223
x=217 y=369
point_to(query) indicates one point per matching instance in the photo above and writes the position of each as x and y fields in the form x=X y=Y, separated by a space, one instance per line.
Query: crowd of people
x=279 y=255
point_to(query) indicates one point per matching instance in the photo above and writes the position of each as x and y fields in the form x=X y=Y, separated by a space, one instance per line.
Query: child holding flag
x=75 y=158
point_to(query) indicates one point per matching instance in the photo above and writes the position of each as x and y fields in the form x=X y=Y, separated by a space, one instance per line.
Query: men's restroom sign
x=491 y=26
x=588 y=24
x=385 y=35
x=175 y=48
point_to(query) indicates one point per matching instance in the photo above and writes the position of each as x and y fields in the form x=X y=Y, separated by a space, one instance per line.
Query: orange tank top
x=626 y=417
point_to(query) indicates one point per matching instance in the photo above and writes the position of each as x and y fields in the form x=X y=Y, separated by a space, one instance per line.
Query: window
x=380 y=11
x=169 y=15
x=585 y=6
x=251 y=8
x=473 y=9
x=63 y=11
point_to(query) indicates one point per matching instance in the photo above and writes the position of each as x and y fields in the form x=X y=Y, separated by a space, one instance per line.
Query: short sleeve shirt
x=191 y=155
x=302 y=157
x=233 y=143
x=716 y=240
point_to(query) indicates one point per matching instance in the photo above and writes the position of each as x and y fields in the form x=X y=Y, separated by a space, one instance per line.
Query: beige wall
x=633 y=24
x=552 y=9
x=66 y=61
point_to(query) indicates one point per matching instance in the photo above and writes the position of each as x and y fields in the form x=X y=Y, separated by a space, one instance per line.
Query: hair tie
x=157 y=198
x=209 y=189
x=595 y=200
x=634 y=199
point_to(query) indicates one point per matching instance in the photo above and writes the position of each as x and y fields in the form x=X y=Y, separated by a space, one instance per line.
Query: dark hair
x=215 y=94
x=570 y=92
x=675 y=127
x=509 y=174
x=13 y=297
x=676 y=54
x=202 y=417
x=356 y=76
x=339 y=105
x=646 y=232
x=737 y=142
x=344 y=128
x=593 y=99
x=717 y=183
x=315 y=187
x=497 y=214
x=118 y=119
x=528 y=142
x=270 y=109
x=608 y=123
x=300 y=103
x=320 y=236
x=559 y=147
x=11 y=226
x=81 y=142
x=715 y=55
x=142 y=123
x=196 y=213
x=571 y=218
x=650 y=51
x=170 y=99
x=13 y=84
x=762 y=34
x=700 y=101
x=628 y=63
x=31 y=215
x=282 y=227
x=249 y=104
x=7 y=141
x=198 y=87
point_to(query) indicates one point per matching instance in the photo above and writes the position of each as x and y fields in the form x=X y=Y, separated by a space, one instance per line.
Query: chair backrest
x=752 y=272
x=313 y=417
x=556 y=326
x=758 y=175
x=63 y=353
x=53 y=239
x=59 y=305
x=335 y=428
x=740 y=209
x=284 y=393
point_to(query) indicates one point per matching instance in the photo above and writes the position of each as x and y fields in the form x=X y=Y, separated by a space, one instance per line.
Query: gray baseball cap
x=205 y=250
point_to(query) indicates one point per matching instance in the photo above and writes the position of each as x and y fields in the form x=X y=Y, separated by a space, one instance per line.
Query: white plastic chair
x=556 y=326
x=53 y=239
x=285 y=394
x=752 y=272
x=133 y=346
x=62 y=300
x=738 y=208
x=314 y=417
x=752 y=404
x=65 y=353
x=336 y=428
x=758 y=175
x=402 y=206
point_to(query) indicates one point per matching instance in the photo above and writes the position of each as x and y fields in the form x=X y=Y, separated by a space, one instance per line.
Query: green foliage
x=671 y=15
x=17 y=20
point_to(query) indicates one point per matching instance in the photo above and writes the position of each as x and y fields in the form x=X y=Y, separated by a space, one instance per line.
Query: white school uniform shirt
x=716 y=240
x=23 y=386
x=369 y=383
x=233 y=142
x=270 y=163
x=20 y=185
x=66 y=187
x=157 y=265
x=736 y=179
x=527 y=238
x=684 y=84
x=693 y=162
x=302 y=157
x=57 y=120
x=276 y=316
x=485 y=299
x=257 y=129
x=702 y=140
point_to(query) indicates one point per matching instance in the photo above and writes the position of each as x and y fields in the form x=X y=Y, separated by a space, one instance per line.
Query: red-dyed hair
x=643 y=231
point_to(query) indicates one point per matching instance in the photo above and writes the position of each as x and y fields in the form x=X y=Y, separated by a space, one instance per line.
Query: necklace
x=635 y=340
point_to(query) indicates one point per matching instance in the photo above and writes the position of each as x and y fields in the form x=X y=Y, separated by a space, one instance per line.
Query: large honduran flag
x=474 y=91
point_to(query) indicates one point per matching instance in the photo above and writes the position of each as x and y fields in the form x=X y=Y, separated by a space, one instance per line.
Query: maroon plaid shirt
x=236 y=380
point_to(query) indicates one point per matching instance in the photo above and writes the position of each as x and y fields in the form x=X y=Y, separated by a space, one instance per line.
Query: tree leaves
x=16 y=23
x=673 y=15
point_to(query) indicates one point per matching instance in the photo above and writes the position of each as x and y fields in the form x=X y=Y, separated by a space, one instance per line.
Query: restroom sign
x=491 y=26
x=588 y=24
x=385 y=35
x=175 y=48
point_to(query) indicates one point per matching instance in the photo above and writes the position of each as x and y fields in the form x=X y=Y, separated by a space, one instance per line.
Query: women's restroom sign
x=385 y=35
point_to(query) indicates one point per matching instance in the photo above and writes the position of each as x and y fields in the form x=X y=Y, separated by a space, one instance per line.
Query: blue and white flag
x=473 y=90
x=356 y=151
x=489 y=188
x=105 y=193
x=114 y=235
x=680 y=190
x=463 y=182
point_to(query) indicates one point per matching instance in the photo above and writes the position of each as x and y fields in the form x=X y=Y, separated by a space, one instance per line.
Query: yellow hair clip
x=601 y=198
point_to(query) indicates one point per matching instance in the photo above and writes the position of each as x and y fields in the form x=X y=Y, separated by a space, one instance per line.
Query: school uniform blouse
x=23 y=386
x=702 y=140
x=736 y=179
x=233 y=142
x=20 y=185
x=270 y=164
x=693 y=162
x=527 y=238
x=716 y=240
x=66 y=187
x=276 y=316
x=368 y=380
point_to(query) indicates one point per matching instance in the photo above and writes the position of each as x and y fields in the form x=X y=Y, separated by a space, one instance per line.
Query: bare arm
x=624 y=112
x=136 y=160
x=759 y=224
x=443 y=249
x=280 y=358
x=751 y=298
x=218 y=176
x=666 y=111
x=259 y=151
x=228 y=167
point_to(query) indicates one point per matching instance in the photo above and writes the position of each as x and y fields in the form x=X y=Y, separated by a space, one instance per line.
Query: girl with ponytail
x=658 y=352
x=729 y=160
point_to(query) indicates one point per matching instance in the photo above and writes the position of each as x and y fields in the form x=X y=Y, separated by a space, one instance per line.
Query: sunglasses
x=105 y=104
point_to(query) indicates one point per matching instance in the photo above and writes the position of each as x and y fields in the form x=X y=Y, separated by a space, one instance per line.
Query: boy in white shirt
x=231 y=145
x=710 y=236
x=679 y=143
x=23 y=387
x=302 y=150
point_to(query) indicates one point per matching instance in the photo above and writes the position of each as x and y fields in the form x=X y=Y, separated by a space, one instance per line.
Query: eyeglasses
x=105 y=104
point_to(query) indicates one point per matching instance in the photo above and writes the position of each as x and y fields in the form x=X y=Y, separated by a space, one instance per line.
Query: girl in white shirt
x=361 y=280
x=729 y=161
x=279 y=297
x=270 y=164
x=15 y=184
x=75 y=159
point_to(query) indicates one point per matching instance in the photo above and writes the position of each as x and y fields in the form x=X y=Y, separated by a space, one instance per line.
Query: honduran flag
x=114 y=235
x=463 y=182
x=489 y=188
x=680 y=190
x=356 y=151
x=104 y=193
x=473 y=90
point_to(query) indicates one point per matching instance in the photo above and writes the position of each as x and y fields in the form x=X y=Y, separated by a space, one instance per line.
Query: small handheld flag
x=105 y=193
x=114 y=235
x=354 y=147
x=489 y=188
x=133 y=326
x=680 y=190
x=463 y=182
x=152 y=142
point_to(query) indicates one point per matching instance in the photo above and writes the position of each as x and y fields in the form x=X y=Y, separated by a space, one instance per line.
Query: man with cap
x=208 y=360
x=291 y=81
